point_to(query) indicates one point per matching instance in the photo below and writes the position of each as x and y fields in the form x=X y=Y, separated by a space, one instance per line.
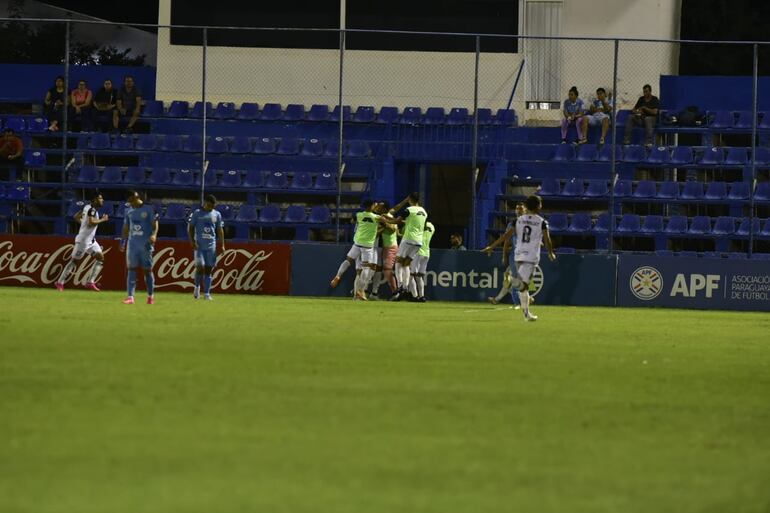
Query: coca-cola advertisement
x=245 y=268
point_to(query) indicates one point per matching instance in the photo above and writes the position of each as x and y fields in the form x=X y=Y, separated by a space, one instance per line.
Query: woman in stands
x=81 y=103
x=574 y=111
x=54 y=103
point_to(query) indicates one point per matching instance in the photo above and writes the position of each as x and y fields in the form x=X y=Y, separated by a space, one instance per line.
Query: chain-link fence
x=216 y=105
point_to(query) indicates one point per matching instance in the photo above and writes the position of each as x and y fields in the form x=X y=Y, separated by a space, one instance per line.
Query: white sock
x=343 y=267
x=366 y=277
x=524 y=298
x=503 y=292
x=357 y=284
x=420 y=285
x=65 y=274
x=95 y=271
x=413 y=287
x=376 y=282
x=406 y=274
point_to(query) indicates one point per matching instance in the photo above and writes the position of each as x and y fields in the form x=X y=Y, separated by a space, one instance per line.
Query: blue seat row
x=737 y=120
x=31 y=124
x=632 y=224
x=662 y=155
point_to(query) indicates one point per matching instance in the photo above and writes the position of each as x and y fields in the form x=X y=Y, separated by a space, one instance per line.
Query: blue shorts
x=139 y=255
x=206 y=257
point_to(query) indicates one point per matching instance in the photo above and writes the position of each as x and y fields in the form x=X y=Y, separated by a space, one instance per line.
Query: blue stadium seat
x=288 y=146
x=716 y=191
x=692 y=191
x=318 y=113
x=622 y=117
x=146 y=142
x=765 y=231
x=231 y=178
x=364 y=114
x=88 y=174
x=171 y=142
x=108 y=208
x=277 y=180
x=16 y=123
x=633 y=153
x=248 y=112
x=737 y=256
x=579 y=223
x=240 y=145
x=295 y=214
x=159 y=176
x=658 y=155
x=319 y=214
x=312 y=148
x=226 y=211
x=603 y=223
x=332 y=148
x=682 y=155
x=178 y=109
x=597 y=189
x=676 y=225
x=183 y=177
x=75 y=207
x=193 y=144
x=605 y=153
x=254 y=179
x=270 y=214
x=411 y=116
x=152 y=109
x=81 y=141
x=216 y=145
x=668 y=190
x=506 y=117
x=573 y=187
x=723 y=119
x=37 y=125
x=358 y=149
x=586 y=153
x=564 y=152
x=247 y=214
x=737 y=156
x=272 y=112
x=224 y=110
x=265 y=146
x=387 y=115
x=175 y=212
x=557 y=222
x=712 y=156
x=744 y=119
x=112 y=175
x=457 y=116
x=700 y=225
x=325 y=181
x=664 y=253
x=197 y=110
x=764 y=123
x=564 y=250
x=760 y=256
x=711 y=254
x=762 y=155
x=123 y=142
x=629 y=223
x=762 y=192
x=301 y=181
x=645 y=189
x=346 y=113
x=434 y=116
x=99 y=141
x=294 y=112
x=623 y=188
x=549 y=187
x=724 y=225
x=652 y=224
x=485 y=116
x=687 y=254
x=134 y=176
x=210 y=176
x=743 y=228
x=34 y=159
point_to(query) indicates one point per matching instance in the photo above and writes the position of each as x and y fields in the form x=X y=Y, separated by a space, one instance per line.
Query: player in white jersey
x=509 y=241
x=85 y=242
x=531 y=231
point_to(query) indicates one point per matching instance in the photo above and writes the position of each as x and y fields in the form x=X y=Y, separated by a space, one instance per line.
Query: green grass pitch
x=277 y=404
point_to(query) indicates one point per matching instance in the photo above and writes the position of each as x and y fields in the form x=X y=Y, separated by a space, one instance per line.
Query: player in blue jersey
x=205 y=229
x=140 y=231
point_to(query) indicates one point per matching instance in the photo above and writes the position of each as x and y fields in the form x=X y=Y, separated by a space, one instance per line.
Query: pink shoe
x=150 y=300
x=128 y=301
x=59 y=286
x=93 y=286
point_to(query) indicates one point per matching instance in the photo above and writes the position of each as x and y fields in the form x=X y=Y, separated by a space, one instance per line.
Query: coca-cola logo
x=237 y=269
x=40 y=267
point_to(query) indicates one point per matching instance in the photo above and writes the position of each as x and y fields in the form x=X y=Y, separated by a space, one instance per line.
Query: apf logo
x=646 y=283
x=536 y=282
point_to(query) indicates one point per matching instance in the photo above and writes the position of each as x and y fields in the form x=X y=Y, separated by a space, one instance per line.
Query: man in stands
x=11 y=153
x=456 y=241
x=599 y=113
x=645 y=113
x=105 y=102
x=129 y=103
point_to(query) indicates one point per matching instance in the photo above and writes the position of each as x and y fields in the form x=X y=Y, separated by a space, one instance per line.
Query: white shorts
x=525 y=270
x=596 y=119
x=362 y=254
x=85 y=248
x=408 y=250
x=419 y=265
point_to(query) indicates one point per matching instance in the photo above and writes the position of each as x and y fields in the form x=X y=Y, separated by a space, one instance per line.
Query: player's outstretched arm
x=549 y=244
x=93 y=221
x=191 y=234
x=506 y=236
x=399 y=206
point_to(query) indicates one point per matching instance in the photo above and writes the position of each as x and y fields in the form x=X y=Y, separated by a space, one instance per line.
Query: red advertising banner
x=246 y=268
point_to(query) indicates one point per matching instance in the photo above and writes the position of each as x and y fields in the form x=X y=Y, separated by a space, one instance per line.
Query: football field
x=279 y=404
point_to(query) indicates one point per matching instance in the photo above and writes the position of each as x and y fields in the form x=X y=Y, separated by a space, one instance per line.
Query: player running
x=413 y=219
x=85 y=242
x=205 y=228
x=363 y=247
x=140 y=231
x=420 y=265
x=388 y=234
x=509 y=242
x=531 y=231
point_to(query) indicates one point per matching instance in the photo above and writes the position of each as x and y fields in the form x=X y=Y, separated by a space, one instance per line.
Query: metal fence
x=197 y=64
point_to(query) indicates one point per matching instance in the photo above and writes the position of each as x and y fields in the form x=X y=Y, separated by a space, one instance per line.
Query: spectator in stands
x=573 y=110
x=600 y=110
x=128 y=106
x=81 y=106
x=456 y=241
x=11 y=152
x=645 y=113
x=105 y=102
x=54 y=104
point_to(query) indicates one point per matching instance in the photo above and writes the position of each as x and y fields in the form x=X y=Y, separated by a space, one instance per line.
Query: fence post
x=475 y=145
x=65 y=125
x=754 y=86
x=204 y=167
x=341 y=125
x=613 y=159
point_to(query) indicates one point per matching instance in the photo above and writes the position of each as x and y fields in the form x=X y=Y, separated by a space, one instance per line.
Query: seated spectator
x=81 y=106
x=105 y=102
x=456 y=241
x=11 y=153
x=645 y=112
x=600 y=110
x=54 y=104
x=573 y=114
x=129 y=103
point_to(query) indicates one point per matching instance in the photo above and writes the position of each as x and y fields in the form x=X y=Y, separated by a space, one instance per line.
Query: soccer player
x=85 y=242
x=205 y=229
x=531 y=231
x=388 y=234
x=420 y=264
x=509 y=242
x=413 y=219
x=363 y=247
x=140 y=231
